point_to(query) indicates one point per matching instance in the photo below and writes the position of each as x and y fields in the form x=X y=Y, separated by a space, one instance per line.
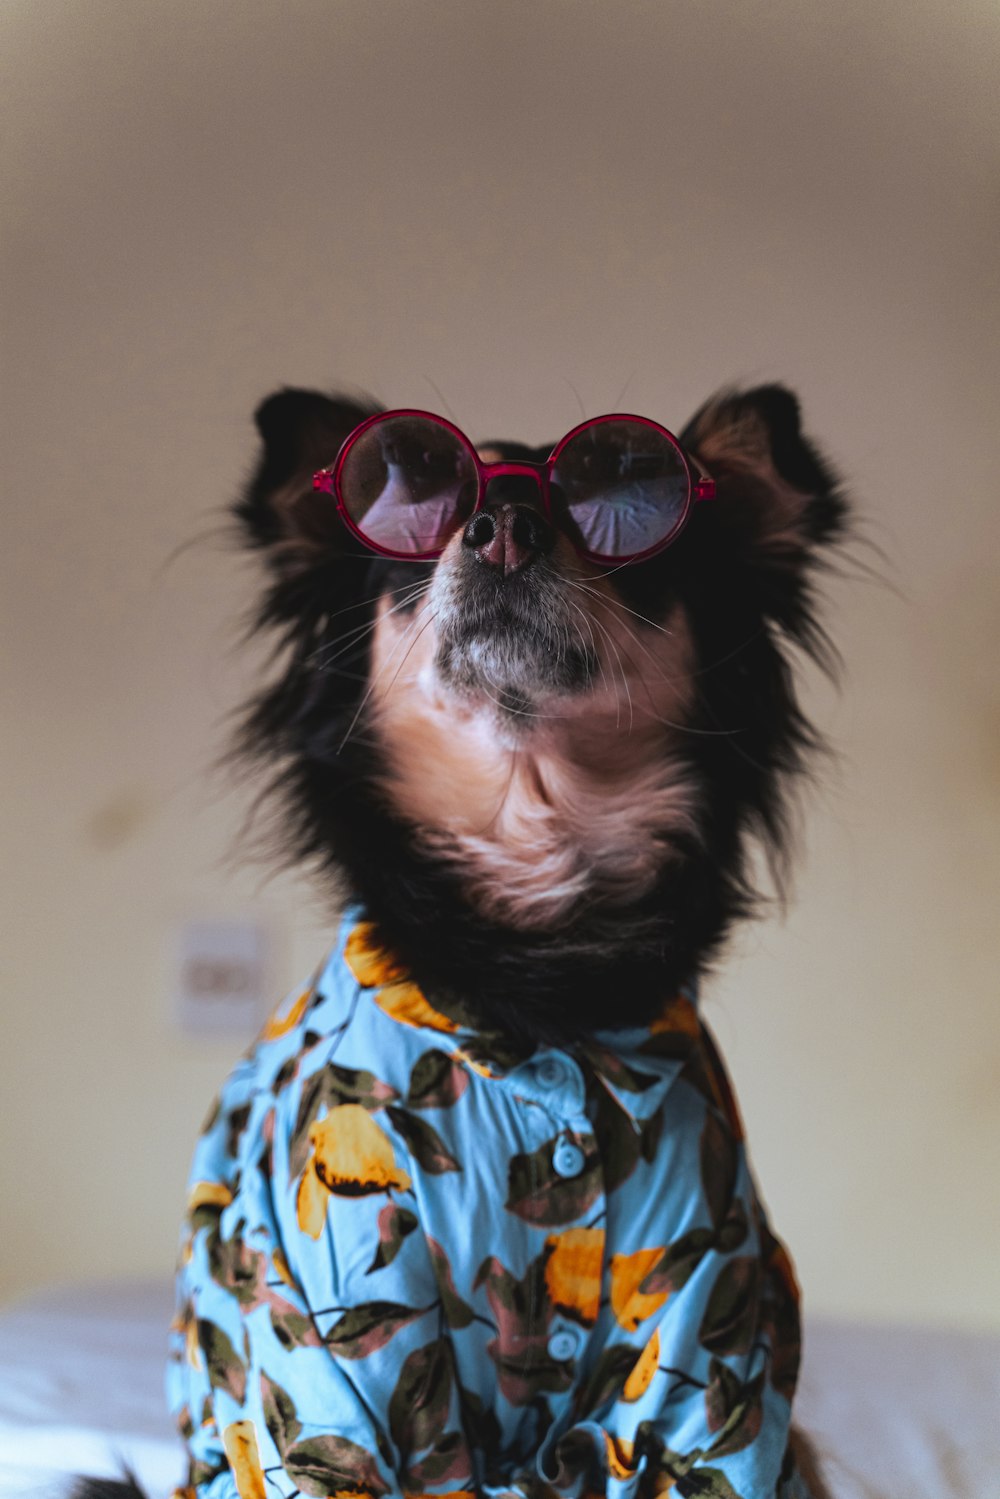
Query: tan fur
x=582 y=798
x=741 y=442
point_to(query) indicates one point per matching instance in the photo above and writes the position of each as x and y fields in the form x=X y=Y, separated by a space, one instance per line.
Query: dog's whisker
x=352 y=638
x=589 y=623
x=616 y=603
x=370 y=602
x=415 y=629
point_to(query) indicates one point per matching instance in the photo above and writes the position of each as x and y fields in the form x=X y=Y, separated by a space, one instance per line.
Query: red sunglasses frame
x=701 y=486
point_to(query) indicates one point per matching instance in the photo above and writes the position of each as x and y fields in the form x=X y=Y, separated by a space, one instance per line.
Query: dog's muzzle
x=507 y=626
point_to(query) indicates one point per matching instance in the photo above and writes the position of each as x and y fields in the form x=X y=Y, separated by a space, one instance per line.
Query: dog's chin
x=516 y=643
x=525 y=673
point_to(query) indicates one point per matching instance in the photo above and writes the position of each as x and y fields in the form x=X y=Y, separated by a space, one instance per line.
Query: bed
x=901 y=1412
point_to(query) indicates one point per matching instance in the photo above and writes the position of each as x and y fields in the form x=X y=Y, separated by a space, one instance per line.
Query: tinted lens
x=622 y=487
x=407 y=482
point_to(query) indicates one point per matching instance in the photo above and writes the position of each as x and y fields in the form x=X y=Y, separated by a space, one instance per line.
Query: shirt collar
x=636 y=1065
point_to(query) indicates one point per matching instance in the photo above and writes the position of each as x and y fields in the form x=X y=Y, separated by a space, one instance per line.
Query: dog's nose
x=509 y=537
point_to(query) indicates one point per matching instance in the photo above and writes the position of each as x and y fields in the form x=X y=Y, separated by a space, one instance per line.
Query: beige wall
x=501 y=200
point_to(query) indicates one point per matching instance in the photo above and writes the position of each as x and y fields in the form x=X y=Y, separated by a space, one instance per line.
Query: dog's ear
x=301 y=431
x=772 y=485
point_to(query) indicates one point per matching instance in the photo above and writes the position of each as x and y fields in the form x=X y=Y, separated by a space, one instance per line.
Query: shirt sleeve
x=309 y=1350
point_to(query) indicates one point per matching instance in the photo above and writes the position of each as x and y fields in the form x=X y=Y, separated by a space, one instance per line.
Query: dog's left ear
x=300 y=431
x=774 y=490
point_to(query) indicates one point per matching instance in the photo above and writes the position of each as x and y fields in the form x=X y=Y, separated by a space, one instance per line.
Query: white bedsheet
x=898 y=1413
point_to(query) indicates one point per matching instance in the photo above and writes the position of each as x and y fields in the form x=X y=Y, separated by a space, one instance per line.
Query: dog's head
x=514 y=749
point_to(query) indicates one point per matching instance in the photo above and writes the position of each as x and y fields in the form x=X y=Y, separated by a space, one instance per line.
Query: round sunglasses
x=620 y=487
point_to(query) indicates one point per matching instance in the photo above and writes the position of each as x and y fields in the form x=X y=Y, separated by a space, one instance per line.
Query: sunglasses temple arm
x=704 y=486
x=323 y=480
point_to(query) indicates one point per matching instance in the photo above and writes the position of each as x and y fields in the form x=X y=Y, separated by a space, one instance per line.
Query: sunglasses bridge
x=510 y=530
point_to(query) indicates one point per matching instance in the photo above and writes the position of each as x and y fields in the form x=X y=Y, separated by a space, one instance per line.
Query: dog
x=474 y=1216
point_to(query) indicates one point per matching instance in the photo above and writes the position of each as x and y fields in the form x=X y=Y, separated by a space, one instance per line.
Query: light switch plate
x=220 y=978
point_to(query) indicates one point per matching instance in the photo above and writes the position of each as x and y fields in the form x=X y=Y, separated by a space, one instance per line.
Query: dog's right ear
x=281 y=513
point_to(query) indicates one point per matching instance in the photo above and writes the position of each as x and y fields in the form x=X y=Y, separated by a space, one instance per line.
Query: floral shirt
x=416 y=1262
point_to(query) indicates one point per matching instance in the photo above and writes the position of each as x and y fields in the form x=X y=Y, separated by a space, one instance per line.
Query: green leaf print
x=348 y=1085
x=719 y=1160
x=366 y=1328
x=279 y=1414
x=603 y=1385
x=394 y=1224
x=538 y=1194
x=734 y=1229
x=706 y=1483
x=678 y=1262
x=292 y=1328
x=447 y=1462
x=733 y=1409
x=418 y=1406
x=457 y=1312
x=235 y=1125
x=234 y=1265
x=327 y=1465
x=436 y=1082
x=299 y=1147
x=649 y=1139
x=610 y=1065
x=424 y=1142
x=618 y=1140
x=730 y=1319
x=225 y=1368
x=522 y=1310
x=480 y=1424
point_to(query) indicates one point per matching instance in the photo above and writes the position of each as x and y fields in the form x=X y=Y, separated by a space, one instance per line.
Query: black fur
x=108 y=1488
x=746 y=584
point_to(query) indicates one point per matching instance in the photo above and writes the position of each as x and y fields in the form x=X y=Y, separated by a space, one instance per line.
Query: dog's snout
x=508 y=537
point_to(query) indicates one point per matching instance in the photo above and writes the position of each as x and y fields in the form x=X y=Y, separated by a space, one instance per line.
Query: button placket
x=552 y=1072
x=568 y=1160
x=558 y=1085
x=563 y=1344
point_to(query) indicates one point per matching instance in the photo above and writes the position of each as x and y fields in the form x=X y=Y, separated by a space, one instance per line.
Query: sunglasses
x=620 y=487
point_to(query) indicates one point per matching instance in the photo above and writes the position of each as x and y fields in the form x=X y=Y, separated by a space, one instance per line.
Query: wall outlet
x=220 y=978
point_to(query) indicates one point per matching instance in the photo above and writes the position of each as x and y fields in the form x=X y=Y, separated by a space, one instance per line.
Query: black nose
x=509 y=537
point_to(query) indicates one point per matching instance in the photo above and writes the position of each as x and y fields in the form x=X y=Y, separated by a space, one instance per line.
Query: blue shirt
x=416 y=1263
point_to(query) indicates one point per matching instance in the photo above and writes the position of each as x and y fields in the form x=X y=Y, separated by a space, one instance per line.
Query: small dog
x=532 y=711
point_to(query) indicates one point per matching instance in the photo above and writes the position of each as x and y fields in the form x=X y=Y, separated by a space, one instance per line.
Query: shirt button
x=567 y=1159
x=551 y=1072
x=563 y=1345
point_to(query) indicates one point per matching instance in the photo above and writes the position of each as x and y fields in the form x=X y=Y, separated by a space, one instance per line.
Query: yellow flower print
x=240 y=1441
x=208 y=1195
x=619 y=1453
x=678 y=1014
x=628 y=1271
x=405 y=1002
x=450 y=1494
x=310 y=1204
x=369 y=963
x=374 y=968
x=573 y=1272
x=279 y=1024
x=463 y=1056
x=192 y=1348
x=281 y=1265
x=643 y=1370
x=351 y=1157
